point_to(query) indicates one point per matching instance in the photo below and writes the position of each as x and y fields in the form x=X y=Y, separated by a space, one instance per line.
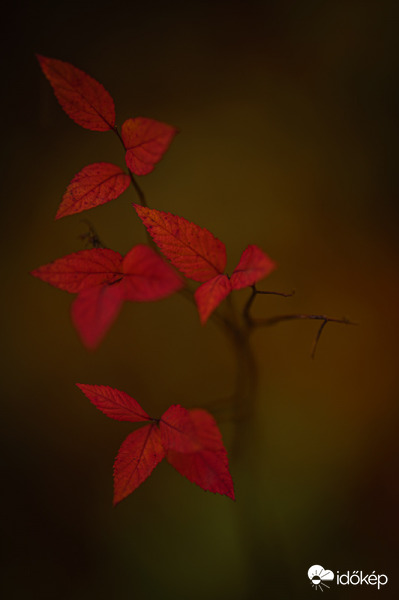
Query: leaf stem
x=136 y=186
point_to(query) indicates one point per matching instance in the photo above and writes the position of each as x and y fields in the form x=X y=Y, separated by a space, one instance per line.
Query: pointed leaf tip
x=138 y=456
x=210 y=294
x=83 y=98
x=194 y=250
x=94 y=185
x=94 y=311
x=114 y=403
x=81 y=270
x=208 y=465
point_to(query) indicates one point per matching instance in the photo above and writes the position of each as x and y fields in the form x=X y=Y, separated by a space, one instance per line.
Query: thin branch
x=136 y=186
x=285 y=295
x=254 y=293
x=185 y=292
x=138 y=189
x=268 y=322
x=324 y=318
x=317 y=338
x=247 y=307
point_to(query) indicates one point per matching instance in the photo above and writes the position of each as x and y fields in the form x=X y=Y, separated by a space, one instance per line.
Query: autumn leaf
x=114 y=403
x=198 y=254
x=94 y=311
x=82 y=270
x=254 y=265
x=103 y=280
x=210 y=294
x=193 y=250
x=94 y=185
x=190 y=439
x=178 y=431
x=138 y=456
x=207 y=467
x=147 y=276
x=83 y=98
x=146 y=141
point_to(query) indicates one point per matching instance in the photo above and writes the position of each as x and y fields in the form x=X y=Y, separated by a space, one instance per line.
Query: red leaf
x=178 y=431
x=138 y=456
x=254 y=265
x=81 y=270
x=190 y=440
x=210 y=294
x=94 y=311
x=147 y=276
x=145 y=141
x=114 y=403
x=104 y=279
x=85 y=100
x=207 y=467
x=190 y=248
x=94 y=185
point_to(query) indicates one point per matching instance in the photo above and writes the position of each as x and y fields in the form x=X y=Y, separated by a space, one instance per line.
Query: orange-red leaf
x=147 y=276
x=94 y=311
x=190 y=248
x=210 y=294
x=207 y=467
x=146 y=141
x=254 y=265
x=114 y=403
x=94 y=185
x=82 y=269
x=138 y=456
x=178 y=431
x=83 y=98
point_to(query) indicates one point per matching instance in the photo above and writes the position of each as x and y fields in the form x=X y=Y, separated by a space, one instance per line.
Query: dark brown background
x=287 y=112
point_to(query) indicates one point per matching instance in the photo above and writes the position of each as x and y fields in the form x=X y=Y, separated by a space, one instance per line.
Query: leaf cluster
x=102 y=280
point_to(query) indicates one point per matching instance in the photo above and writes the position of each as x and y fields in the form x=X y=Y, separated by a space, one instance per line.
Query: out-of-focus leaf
x=254 y=265
x=210 y=294
x=104 y=280
x=209 y=466
x=147 y=276
x=178 y=431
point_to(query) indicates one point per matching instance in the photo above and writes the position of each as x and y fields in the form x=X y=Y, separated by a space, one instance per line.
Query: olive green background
x=288 y=132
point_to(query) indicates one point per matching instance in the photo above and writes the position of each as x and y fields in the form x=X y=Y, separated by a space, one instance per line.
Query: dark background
x=287 y=112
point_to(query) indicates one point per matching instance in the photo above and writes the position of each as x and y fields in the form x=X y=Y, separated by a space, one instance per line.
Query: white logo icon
x=318 y=575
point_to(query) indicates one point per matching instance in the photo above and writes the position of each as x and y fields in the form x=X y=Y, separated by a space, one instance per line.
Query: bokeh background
x=287 y=113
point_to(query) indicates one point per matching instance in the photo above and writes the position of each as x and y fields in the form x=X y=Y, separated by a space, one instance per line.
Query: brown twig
x=254 y=293
x=324 y=318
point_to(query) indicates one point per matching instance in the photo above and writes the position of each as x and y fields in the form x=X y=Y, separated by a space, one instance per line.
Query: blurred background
x=288 y=133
